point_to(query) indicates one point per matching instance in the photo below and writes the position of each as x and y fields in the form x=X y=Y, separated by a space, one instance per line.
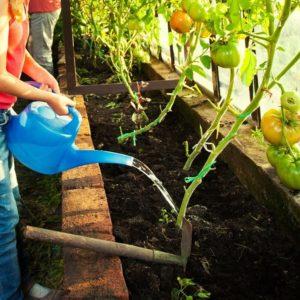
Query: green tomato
x=197 y=11
x=186 y=4
x=135 y=24
x=275 y=154
x=291 y=101
x=225 y=55
x=288 y=170
x=141 y=55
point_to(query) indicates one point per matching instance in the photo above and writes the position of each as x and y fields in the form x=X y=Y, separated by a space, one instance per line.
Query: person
x=15 y=59
x=43 y=18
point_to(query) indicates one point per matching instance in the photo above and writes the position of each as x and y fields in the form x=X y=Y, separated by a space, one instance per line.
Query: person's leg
x=42 y=27
x=10 y=278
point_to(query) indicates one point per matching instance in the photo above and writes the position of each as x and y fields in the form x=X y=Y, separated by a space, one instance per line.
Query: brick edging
x=85 y=211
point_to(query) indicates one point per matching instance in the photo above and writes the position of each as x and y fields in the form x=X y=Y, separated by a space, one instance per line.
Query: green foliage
x=258 y=136
x=248 y=68
x=165 y=217
x=189 y=290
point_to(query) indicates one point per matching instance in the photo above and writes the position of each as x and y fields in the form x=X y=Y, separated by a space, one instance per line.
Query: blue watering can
x=45 y=142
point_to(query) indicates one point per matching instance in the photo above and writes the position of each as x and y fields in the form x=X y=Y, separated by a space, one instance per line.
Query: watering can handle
x=34 y=84
x=74 y=124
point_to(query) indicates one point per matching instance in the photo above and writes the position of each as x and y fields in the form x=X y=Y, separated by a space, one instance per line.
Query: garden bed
x=239 y=250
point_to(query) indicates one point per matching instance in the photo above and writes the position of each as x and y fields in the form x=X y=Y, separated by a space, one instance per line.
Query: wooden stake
x=102 y=246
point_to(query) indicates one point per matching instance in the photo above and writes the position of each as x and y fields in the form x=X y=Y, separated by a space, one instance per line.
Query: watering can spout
x=75 y=158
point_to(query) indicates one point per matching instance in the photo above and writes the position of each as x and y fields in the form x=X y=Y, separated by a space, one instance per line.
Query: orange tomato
x=181 y=22
x=271 y=125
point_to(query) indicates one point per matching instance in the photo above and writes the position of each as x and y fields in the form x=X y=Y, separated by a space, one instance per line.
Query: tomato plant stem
x=239 y=121
x=214 y=126
x=294 y=60
x=181 y=82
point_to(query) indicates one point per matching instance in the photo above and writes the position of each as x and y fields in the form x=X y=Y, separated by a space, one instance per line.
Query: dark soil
x=239 y=251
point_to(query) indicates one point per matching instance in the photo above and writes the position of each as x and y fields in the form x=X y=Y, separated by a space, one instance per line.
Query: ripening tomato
x=197 y=11
x=271 y=125
x=181 y=22
x=225 y=55
x=291 y=101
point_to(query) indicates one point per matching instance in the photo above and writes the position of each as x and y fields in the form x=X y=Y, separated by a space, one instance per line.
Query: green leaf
x=204 y=45
x=170 y=38
x=199 y=70
x=189 y=73
x=206 y=61
x=245 y=4
x=235 y=13
x=248 y=69
x=280 y=48
x=203 y=294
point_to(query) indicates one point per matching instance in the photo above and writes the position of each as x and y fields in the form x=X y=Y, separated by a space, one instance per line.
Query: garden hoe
x=45 y=143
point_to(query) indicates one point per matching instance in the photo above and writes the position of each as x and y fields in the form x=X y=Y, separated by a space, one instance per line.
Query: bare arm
x=11 y=85
x=38 y=73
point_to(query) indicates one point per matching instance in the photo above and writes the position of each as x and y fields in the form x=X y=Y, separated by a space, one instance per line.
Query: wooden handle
x=102 y=246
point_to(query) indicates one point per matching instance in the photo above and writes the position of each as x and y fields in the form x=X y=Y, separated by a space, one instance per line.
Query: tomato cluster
x=287 y=165
x=282 y=130
x=192 y=11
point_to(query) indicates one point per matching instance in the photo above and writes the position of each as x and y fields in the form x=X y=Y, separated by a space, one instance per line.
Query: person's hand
x=50 y=82
x=60 y=103
x=45 y=87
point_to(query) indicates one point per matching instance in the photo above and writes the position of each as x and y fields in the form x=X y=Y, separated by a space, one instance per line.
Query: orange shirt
x=18 y=35
x=40 y=6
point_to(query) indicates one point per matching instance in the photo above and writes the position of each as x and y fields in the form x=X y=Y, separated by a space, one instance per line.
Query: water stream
x=147 y=171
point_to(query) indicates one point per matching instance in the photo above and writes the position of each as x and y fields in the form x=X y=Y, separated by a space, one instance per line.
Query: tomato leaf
x=199 y=70
x=206 y=61
x=280 y=48
x=248 y=69
x=189 y=73
x=235 y=13
x=204 y=45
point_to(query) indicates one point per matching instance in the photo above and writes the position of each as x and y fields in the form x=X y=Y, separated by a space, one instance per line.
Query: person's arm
x=38 y=73
x=11 y=85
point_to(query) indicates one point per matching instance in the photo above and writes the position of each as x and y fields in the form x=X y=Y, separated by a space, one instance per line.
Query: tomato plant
x=272 y=127
x=124 y=30
x=119 y=32
x=227 y=20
